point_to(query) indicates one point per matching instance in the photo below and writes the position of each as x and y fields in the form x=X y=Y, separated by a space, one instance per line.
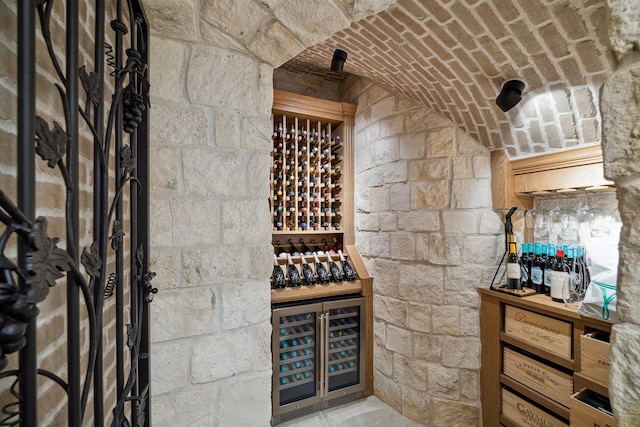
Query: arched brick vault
x=451 y=55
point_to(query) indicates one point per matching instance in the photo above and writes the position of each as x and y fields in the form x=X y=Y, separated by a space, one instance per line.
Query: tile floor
x=369 y=412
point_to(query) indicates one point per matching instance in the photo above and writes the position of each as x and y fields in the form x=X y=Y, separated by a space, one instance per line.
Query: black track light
x=339 y=58
x=510 y=94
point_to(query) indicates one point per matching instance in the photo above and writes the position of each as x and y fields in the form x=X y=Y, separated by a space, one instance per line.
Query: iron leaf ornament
x=51 y=145
x=127 y=160
x=91 y=260
x=46 y=263
x=91 y=84
x=117 y=234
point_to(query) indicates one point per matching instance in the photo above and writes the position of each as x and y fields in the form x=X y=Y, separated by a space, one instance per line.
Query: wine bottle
x=548 y=268
x=336 y=245
x=294 y=274
x=524 y=256
x=279 y=281
x=281 y=251
x=307 y=272
x=323 y=274
x=349 y=274
x=292 y=248
x=316 y=248
x=336 y=275
x=559 y=277
x=513 y=268
x=537 y=267
x=305 y=248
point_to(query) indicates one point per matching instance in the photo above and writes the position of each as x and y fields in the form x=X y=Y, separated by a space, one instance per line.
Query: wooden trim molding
x=307 y=107
x=583 y=155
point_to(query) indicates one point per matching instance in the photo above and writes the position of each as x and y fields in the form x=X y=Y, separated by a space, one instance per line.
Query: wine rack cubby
x=306 y=190
x=312 y=167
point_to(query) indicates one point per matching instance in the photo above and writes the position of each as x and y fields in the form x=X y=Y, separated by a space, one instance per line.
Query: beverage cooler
x=318 y=357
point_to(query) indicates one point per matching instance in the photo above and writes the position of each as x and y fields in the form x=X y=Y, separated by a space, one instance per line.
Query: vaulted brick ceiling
x=454 y=55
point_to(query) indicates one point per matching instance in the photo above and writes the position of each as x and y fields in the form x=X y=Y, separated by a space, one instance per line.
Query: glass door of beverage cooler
x=344 y=370
x=296 y=357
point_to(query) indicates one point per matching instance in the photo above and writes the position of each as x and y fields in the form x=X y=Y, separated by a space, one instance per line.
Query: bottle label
x=513 y=271
x=547 y=277
x=559 y=279
x=536 y=275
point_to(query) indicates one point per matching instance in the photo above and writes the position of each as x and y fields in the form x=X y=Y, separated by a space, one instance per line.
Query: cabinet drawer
x=594 y=359
x=538 y=376
x=544 y=332
x=521 y=412
x=583 y=414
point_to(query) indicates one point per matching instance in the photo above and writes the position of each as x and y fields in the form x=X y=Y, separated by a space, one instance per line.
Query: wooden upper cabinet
x=515 y=182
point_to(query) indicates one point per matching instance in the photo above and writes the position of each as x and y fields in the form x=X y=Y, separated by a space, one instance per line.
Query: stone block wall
x=211 y=235
x=425 y=227
x=620 y=106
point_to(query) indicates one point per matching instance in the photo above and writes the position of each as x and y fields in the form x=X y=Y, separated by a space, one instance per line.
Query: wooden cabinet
x=312 y=198
x=541 y=355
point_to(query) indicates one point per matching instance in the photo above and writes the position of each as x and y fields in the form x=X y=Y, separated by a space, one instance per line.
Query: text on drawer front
x=550 y=334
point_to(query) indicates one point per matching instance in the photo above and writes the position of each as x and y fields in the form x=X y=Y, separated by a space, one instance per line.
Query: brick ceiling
x=454 y=55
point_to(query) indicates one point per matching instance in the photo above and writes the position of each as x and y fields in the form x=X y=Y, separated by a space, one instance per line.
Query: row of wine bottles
x=305 y=180
x=310 y=275
x=305 y=250
x=560 y=272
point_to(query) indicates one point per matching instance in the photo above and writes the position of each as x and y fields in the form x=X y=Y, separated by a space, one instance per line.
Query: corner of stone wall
x=620 y=107
x=425 y=228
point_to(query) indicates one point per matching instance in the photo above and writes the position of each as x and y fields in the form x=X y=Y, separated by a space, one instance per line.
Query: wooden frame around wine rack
x=296 y=120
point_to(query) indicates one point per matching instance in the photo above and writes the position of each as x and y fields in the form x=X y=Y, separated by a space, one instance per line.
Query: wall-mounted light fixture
x=339 y=58
x=510 y=94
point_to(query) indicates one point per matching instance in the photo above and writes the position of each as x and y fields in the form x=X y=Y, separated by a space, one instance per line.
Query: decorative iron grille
x=107 y=98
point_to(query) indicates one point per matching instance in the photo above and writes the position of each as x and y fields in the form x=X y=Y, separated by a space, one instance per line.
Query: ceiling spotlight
x=339 y=57
x=510 y=94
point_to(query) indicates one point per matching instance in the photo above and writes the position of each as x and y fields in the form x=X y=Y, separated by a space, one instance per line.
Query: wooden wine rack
x=312 y=167
x=306 y=173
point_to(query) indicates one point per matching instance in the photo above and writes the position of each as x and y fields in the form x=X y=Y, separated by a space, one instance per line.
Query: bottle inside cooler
x=344 y=347
x=297 y=357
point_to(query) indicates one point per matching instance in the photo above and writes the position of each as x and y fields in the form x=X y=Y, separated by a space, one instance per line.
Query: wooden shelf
x=580 y=382
x=302 y=293
x=513 y=183
x=494 y=340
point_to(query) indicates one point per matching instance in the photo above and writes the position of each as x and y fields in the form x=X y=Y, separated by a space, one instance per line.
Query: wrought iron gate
x=103 y=118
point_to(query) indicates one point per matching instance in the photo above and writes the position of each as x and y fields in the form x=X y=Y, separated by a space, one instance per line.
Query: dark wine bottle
x=524 y=258
x=292 y=248
x=559 y=277
x=305 y=248
x=280 y=251
x=294 y=274
x=279 y=281
x=548 y=268
x=513 y=268
x=307 y=272
x=349 y=273
x=336 y=274
x=537 y=269
x=316 y=248
x=321 y=271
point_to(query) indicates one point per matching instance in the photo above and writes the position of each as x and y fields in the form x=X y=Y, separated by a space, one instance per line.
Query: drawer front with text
x=521 y=412
x=538 y=376
x=539 y=330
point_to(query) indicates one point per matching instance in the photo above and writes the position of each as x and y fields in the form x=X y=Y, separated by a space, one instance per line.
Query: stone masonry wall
x=620 y=105
x=210 y=133
x=425 y=227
